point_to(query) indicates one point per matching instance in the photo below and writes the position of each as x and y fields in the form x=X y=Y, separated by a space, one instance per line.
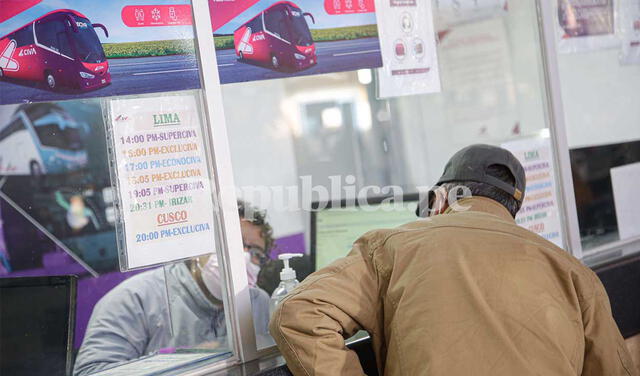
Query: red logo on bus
x=7 y=62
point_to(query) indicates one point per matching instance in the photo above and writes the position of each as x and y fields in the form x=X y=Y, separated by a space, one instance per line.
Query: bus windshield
x=87 y=42
x=299 y=29
x=58 y=131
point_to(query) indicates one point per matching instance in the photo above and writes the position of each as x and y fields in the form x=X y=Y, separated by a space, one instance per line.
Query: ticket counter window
x=599 y=80
x=320 y=154
x=58 y=218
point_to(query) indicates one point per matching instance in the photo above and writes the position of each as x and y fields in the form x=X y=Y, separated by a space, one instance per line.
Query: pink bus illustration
x=58 y=49
x=279 y=36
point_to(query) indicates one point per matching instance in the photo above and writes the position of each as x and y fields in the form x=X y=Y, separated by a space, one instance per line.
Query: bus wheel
x=241 y=55
x=275 y=62
x=35 y=169
x=50 y=80
x=1 y=73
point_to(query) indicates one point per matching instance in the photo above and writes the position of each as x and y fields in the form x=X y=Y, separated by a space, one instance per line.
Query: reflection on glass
x=54 y=159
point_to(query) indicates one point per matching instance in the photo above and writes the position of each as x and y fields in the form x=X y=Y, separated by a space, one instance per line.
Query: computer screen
x=37 y=316
x=591 y=169
x=335 y=229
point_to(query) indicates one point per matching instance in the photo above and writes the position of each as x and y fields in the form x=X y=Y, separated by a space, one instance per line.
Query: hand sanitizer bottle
x=288 y=281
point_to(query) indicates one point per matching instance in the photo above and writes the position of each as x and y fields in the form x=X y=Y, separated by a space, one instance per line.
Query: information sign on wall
x=408 y=49
x=164 y=187
x=540 y=211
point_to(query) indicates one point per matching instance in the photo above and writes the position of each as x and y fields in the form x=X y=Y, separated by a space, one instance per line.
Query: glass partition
x=59 y=213
x=316 y=156
x=599 y=80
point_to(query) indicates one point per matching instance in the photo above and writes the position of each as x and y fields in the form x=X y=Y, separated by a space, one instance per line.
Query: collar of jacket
x=481 y=204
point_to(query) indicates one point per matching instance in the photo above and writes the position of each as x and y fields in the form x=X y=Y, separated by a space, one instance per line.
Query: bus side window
x=13 y=127
x=24 y=36
x=271 y=22
x=47 y=33
x=256 y=25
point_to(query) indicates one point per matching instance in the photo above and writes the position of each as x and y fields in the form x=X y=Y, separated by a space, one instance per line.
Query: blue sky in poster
x=106 y=12
x=315 y=7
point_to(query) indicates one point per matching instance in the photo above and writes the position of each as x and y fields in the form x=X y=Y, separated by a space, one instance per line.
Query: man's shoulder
x=258 y=295
x=417 y=227
x=452 y=227
x=141 y=285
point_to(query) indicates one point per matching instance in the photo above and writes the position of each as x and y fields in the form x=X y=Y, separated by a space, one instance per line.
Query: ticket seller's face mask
x=252 y=269
x=213 y=281
x=211 y=277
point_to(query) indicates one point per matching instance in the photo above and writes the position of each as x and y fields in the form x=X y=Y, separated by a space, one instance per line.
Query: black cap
x=472 y=163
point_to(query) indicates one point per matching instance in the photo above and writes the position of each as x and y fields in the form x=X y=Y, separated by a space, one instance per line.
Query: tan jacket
x=466 y=293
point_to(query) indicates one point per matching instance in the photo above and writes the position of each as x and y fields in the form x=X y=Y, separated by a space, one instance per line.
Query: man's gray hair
x=489 y=191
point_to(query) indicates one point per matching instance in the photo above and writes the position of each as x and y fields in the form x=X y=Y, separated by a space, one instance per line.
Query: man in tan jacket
x=463 y=292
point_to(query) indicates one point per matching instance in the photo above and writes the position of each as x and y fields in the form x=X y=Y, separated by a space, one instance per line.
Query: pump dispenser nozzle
x=287 y=272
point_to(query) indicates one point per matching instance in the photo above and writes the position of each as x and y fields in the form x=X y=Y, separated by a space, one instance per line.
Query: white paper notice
x=539 y=212
x=455 y=12
x=477 y=70
x=408 y=43
x=625 y=180
x=163 y=180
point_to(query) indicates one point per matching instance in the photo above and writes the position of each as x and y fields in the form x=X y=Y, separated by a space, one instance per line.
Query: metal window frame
x=557 y=126
x=238 y=308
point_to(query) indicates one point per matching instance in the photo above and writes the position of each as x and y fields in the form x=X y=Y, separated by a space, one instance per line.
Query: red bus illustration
x=279 y=36
x=60 y=48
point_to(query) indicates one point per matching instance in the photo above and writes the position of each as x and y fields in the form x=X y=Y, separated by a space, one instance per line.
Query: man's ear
x=424 y=206
x=439 y=201
x=443 y=208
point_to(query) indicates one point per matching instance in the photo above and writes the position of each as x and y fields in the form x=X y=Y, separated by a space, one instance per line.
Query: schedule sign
x=539 y=212
x=163 y=181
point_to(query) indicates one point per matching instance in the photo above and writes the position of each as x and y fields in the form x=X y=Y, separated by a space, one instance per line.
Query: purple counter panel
x=54 y=261
x=289 y=244
x=90 y=291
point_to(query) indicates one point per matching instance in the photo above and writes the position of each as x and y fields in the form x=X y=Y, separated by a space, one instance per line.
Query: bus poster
x=71 y=49
x=266 y=39
x=55 y=189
